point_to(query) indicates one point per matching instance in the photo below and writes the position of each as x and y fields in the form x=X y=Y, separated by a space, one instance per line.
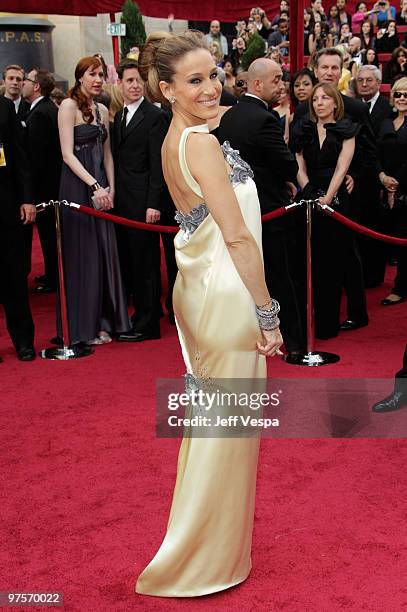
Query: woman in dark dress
x=96 y=299
x=325 y=144
x=393 y=157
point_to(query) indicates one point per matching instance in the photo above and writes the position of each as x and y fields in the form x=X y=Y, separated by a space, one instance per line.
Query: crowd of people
x=324 y=132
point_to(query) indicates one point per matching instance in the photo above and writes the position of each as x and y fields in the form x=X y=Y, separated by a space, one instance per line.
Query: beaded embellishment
x=241 y=171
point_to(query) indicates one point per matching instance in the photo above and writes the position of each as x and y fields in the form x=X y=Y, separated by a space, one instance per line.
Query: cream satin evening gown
x=209 y=534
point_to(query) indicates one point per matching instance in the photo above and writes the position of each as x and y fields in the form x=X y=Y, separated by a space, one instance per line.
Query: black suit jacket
x=382 y=110
x=257 y=134
x=15 y=183
x=139 y=180
x=23 y=110
x=365 y=159
x=44 y=150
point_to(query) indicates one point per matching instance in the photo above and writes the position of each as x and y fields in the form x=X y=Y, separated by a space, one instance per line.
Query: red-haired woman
x=96 y=298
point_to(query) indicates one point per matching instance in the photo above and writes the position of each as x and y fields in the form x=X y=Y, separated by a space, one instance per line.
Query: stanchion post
x=66 y=351
x=311 y=357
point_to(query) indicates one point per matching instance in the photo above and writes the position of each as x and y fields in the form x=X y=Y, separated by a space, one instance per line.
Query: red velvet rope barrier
x=361 y=229
x=154 y=227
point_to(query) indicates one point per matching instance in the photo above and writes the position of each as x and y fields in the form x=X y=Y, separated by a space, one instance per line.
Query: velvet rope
x=154 y=227
x=361 y=229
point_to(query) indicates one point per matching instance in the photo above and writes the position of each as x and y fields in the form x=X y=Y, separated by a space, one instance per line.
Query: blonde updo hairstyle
x=159 y=58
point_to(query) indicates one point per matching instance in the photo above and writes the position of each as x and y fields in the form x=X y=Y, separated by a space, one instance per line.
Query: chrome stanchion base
x=314 y=358
x=67 y=352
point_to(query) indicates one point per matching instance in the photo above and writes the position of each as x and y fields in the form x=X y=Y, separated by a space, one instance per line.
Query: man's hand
x=28 y=213
x=292 y=189
x=152 y=215
x=349 y=183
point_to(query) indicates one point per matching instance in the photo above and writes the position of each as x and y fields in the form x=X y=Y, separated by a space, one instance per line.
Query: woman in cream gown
x=207 y=546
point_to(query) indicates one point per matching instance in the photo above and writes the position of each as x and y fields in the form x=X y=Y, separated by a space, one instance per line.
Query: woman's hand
x=102 y=199
x=325 y=201
x=389 y=182
x=272 y=340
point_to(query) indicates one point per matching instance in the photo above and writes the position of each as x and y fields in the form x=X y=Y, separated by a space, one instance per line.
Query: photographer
x=262 y=23
x=320 y=37
x=346 y=34
x=387 y=39
x=382 y=13
x=280 y=38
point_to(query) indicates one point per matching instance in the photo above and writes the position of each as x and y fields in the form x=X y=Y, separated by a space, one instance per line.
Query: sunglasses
x=400 y=94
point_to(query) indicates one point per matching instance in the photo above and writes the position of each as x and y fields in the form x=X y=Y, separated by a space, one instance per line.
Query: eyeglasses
x=400 y=94
x=31 y=80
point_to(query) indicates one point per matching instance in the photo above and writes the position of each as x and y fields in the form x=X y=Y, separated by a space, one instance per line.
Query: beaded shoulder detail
x=241 y=171
x=191 y=221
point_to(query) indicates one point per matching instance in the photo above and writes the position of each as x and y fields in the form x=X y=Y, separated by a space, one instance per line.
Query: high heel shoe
x=389 y=302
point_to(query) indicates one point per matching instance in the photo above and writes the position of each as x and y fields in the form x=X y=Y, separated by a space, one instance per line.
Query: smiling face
x=303 y=88
x=324 y=105
x=195 y=86
x=391 y=28
x=92 y=81
x=131 y=85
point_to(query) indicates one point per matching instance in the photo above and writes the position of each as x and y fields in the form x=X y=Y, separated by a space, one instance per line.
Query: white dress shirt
x=257 y=98
x=373 y=101
x=132 y=108
x=35 y=102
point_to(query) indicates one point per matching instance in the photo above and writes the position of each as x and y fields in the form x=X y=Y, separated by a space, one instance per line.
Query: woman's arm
x=66 y=123
x=221 y=200
x=342 y=167
x=107 y=155
x=311 y=43
x=302 y=176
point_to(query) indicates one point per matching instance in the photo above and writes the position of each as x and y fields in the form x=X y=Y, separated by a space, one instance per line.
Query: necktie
x=123 y=121
x=369 y=106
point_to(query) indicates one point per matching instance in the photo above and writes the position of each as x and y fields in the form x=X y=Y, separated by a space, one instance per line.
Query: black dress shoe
x=133 y=336
x=44 y=289
x=26 y=354
x=42 y=279
x=349 y=325
x=395 y=401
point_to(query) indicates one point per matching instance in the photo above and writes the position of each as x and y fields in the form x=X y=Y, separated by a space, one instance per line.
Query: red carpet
x=86 y=486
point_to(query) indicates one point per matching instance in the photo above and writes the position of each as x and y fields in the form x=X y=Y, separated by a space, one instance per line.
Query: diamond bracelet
x=268 y=318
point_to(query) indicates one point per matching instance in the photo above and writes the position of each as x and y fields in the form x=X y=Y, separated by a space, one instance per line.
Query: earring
x=171 y=100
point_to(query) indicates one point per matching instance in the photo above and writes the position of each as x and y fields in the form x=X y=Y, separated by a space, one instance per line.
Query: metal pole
x=66 y=351
x=311 y=357
x=310 y=296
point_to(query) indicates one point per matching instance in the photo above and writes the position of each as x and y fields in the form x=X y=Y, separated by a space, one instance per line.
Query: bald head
x=263 y=79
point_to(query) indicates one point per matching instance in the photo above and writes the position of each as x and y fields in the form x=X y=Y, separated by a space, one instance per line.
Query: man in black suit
x=252 y=129
x=45 y=159
x=140 y=194
x=373 y=252
x=328 y=69
x=15 y=207
x=13 y=76
x=397 y=399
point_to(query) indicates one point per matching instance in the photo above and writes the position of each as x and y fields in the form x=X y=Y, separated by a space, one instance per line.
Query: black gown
x=331 y=241
x=95 y=294
x=393 y=154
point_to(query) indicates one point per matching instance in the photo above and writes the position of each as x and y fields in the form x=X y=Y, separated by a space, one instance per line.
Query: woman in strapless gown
x=207 y=547
x=97 y=305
